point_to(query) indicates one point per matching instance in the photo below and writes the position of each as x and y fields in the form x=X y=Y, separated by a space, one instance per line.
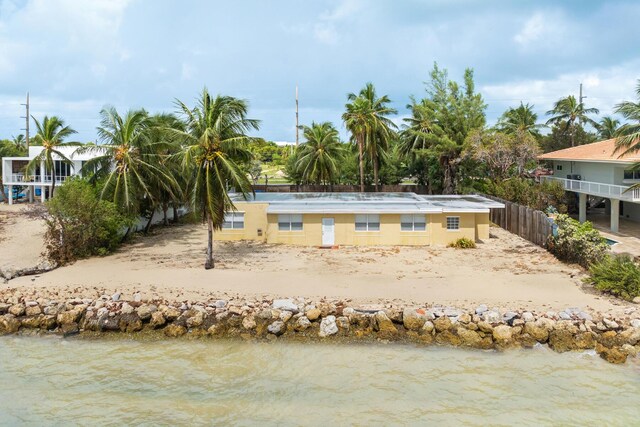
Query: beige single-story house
x=331 y=219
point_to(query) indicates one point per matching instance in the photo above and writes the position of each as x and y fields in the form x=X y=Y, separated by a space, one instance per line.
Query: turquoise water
x=94 y=382
x=611 y=242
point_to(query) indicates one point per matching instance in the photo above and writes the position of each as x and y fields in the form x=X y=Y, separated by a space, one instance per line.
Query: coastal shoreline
x=614 y=339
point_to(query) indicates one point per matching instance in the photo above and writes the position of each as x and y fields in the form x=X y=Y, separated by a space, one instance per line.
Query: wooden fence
x=291 y=188
x=527 y=223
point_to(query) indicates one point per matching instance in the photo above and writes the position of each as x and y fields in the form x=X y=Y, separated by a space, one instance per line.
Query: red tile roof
x=602 y=151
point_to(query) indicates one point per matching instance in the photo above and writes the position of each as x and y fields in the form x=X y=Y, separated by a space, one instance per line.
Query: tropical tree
x=215 y=145
x=320 y=155
x=20 y=142
x=520 y=119
x=128 y=161
x=356 y=120
x=571 y=112
x=629 y=133
x=51 y=134
x=8 y=149
x=608 y=127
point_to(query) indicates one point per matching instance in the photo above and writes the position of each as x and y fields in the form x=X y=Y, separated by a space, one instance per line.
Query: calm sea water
x=94 y=382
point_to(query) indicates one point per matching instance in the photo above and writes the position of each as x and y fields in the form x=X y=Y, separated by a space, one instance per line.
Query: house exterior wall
x=605 y=173
x=474 y=226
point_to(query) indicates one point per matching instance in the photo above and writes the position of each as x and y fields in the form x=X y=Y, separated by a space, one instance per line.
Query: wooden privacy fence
x=527 y=223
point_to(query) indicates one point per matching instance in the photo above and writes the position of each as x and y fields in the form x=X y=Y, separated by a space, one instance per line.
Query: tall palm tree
x=319 y=156
x=51 y=134
x=520 y=119
x=570 y=111
x=19 y=141
x=419 y=129
x=128 y=160
x=215 y=145
x=608 y=127
x=366 y=119
x=629 y=133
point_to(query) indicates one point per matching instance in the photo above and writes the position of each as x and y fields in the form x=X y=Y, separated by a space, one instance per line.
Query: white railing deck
x=620 y=192
x=20 y=178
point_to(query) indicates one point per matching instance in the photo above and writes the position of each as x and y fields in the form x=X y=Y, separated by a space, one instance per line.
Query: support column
x=11 y=194
x=42 y=198
x=42 y=176
x=582 y=207
x=615 y=215
x=31 y=190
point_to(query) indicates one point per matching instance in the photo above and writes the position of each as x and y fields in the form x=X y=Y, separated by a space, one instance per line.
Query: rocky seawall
x=570 y=330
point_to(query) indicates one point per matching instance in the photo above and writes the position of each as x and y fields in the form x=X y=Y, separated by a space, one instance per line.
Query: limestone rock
x=71 y=316
x=527 y=316
x=47 y=322
x=171 y=314
x=33 y=310
x=285 y=304
x=196 y=320
x=611 y=355
x=502 y=334
x=69 y=329
x=635 y=323
x=9 y=324
x=343 y=323
x=302 y=323
x=413 y=319
x=145 y=311
x=249 y=322
x=157 y=320
x=469 y=338
x=492 y=317
x=329 y=327
x=313 y=314
x=126 y=308
x=383 y=324
x=31 y=322
x=428 y=327
x=174 y=330
x=285 y=316
x=485 y=327
x=610 y=324
x=482 y=308
x=561 y=340
x=277 y=328
x=538 y=330
x=17 y=310
x=442 y=323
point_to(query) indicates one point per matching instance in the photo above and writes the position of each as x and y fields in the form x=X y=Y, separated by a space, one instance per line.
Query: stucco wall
x=474 y=226
x=590 y=171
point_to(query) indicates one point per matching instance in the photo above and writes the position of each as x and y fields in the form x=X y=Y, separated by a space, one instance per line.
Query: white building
x=598 y=171
x=37 y=183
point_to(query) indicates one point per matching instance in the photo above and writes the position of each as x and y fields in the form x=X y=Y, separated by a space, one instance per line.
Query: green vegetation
x=80 y=224
x=577 y=242
x=616 y=274
x=10 y=148
x=462 y=243
x=569 y=112
x=528 y=193
x=317 y=159
x=629 y=133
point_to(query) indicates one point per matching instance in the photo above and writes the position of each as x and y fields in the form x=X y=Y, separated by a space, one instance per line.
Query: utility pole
x=581 y=97
x=297 y=128
x=26 y=128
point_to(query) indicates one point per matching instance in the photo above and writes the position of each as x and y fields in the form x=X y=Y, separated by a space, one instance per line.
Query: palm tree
x=366 y=119
x=568 y=110
x=19 y=141
x=216 y=139
x=629 y=133
x=50 y=135
x=129 y=160
x=319 y=156
x=519 y=119
x=418 y=131
x=608 y=127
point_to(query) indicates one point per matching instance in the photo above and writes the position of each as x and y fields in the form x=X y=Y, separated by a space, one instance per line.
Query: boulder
x=383 y=325
x=527 y=316
x=610 y=324
x=249 y=322
x=485 y=327
x=609 y=339
x=9 y=324
x=635 y=323
x=301 y=324
x=442 y=323
x=276 y=328
x=157 y=320
x=109 y=323
x=71 y=316
x=428 y=327
x=285 y=304
x=69 y=329
x=469 y=338
x=285 y=316
x=413 y=319
x=482 y=308
x=145 y=311
x=343 y=322
x=502 y=334
x=130 y=323
x=630 y=336
x=197 y=319
x=17 y=310
x=174 y=330
x=313 y=314
x=329 y=327
x=47 y=322
x=126 y=308
x=31 y=322
x=492 y=317
x=611 y=355
x=561 y=340
x=4 y=308
x=33 y=310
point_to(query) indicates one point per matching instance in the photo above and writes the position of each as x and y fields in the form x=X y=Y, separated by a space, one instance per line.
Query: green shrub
x=527 y=192
x=80 y=225
x=616 y=274
x=577 y=242
x=462 y=243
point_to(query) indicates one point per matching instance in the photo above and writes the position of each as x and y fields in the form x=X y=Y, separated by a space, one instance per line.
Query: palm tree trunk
x=165 y=219
x=375 y=170
x=53 y=182
x=360 y=149
x=209 y=262
x=148 y=226
x=175 y=214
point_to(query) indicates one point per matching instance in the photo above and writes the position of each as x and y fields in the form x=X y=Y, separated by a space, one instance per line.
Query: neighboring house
x=599 y=171
x=38 y=183
x=329 y=219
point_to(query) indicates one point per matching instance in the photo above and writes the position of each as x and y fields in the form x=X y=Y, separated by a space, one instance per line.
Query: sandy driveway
x=505 y=271
x=21 y=243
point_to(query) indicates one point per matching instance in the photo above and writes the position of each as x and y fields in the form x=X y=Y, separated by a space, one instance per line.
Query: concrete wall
x=631 y=211
x=474 y=226
x=591 y=171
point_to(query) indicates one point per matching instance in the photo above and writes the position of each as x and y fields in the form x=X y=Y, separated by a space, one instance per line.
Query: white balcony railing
x=18 y=178
x=620 y=192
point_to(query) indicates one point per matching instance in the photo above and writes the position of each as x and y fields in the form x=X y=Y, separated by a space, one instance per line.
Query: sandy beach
x=505 y=272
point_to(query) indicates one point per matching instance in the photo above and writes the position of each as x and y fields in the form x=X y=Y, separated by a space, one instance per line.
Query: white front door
x=328 y=232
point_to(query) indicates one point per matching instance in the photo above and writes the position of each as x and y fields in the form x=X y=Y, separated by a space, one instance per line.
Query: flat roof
x=281 y=203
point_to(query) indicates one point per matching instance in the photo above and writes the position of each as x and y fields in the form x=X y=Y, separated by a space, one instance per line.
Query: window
x=233 y=221
x=411 y=222
x=367 y=222
x=632 y=175
x=453 y=223
x=559 y=167
x=290 y=222
x=62 y=168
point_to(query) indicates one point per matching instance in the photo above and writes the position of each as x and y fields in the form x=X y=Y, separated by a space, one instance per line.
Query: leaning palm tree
x=356 y=119
x=128 y=160
x=51 y=134
x=608 y=127
x=320 y=155
x=570 y=111
x=520 y=119
x=215 y=146
x=629 y=133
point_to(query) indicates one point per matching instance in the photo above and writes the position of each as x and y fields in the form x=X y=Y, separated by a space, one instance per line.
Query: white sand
x=505 y=272
x=21 y=238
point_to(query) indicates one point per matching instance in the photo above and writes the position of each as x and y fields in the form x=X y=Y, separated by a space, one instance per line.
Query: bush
x=576 y=242
x=462 y=243
x=529 y=193
x=616 y=274
x=80 y=225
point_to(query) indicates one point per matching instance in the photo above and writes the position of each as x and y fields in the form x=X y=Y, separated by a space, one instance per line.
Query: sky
x=75 y=57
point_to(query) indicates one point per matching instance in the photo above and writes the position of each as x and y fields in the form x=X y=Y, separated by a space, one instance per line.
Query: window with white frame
x=453 y=223
x=233 y=221
x=413 y=222
x=367 y=222
x=290 y=222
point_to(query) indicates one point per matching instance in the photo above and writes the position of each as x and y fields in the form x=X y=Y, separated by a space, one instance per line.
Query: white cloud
x=533 y=29
x=326 y=30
